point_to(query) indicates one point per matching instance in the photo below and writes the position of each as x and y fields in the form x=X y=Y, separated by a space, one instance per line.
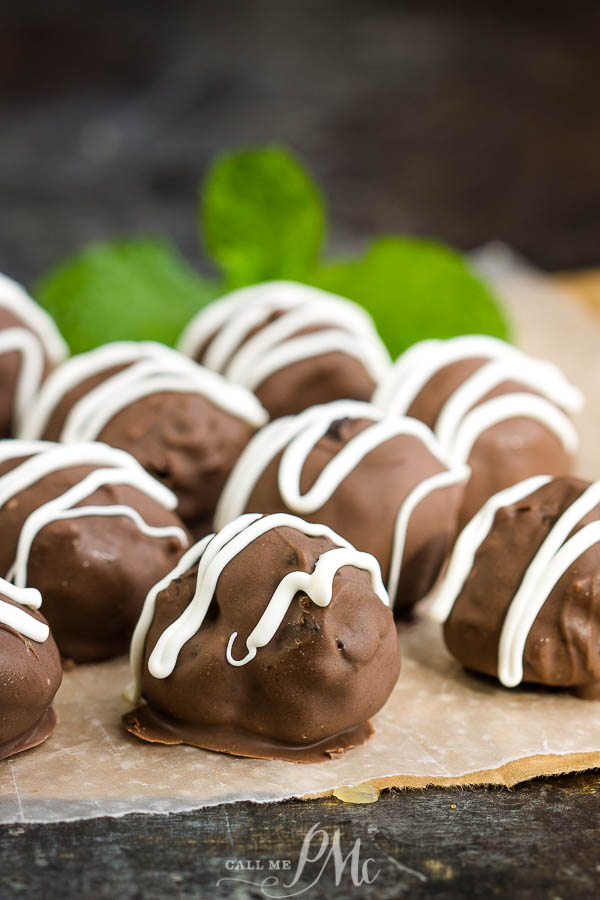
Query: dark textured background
x=467 y=121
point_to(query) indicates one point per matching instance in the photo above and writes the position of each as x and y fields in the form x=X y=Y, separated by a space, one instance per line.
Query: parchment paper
x=441 y=725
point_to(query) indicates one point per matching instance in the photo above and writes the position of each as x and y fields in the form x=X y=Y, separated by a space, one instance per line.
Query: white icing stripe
x=14 y=449
x=86 y=418
x=511 y=406
x=61 y=507
x=80 y=368
x=529 y=598
x=417 y=365
x=415 y=368
x=27 y=596
x=406 y=378
x=519 y=622
x=552 y=559
x=65 y=456
x=136 y=655
x=227 y=322
x=164 y=656
x=214 y=554
x=276 y=346
x=420 y=492
x=318 y=586
x=469 y=541
x=18 y=619
x=337 y=469
x=235 y=308
x=194 y=555
x=49 y=458
x=115 y=401
x=540 y=377
x=270 y=296
x=152 y=368
x=255 y=457
x=271 y=440
x=226 y=341
x=14 y=298
x=296 y=436
x=282 y=329
x=31 y=370
x=306 y=347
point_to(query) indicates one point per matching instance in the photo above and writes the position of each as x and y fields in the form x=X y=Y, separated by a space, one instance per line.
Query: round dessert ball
x=30 y=671
x=521 y=596
x=185 y=425
x=294 y=672
x=92 y=531
x=380 y=482
x=30 y=346
x=293 y=345
x=490 y=405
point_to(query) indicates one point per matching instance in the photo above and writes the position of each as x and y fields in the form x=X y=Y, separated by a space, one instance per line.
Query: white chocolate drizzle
x=78 y=369
x=114 y=467
x=40 y=337
x=31 y=370
x=225 y=325
x=296 y=436
x=212 y=555
x=15 y=449
x=18 y=619
x=553 y=558
x=149 y=368
x=16 y=299
x=464 y=417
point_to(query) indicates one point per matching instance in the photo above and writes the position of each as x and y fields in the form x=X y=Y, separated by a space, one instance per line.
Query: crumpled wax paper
x=440 y=726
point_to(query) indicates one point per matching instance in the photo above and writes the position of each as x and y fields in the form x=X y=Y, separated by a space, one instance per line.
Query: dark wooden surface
x=469 y=121
x=538 y=841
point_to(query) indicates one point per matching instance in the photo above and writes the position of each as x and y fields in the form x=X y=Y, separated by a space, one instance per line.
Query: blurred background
x=465 y=121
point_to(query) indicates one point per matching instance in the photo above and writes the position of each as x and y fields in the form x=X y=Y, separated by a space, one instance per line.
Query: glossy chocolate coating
x=308 y=382
x=93 y=572
x=58 y=416
x=562 y=646
x=30 y=675
x=307 y=694
x=365 y=506
x=186 y=442
x=183 y=440
x=505 y=453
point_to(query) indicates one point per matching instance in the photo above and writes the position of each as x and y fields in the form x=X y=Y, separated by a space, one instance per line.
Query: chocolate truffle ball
x=30 y=346
x=491 y=406
x=92 y=531
x=30 y=671
x=293 y=345
x=521 y=596
x=381 y=483
x=185 y=425
x=272 y=638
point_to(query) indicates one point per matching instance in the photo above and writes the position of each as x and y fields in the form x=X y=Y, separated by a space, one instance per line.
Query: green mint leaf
x=262 y=216
x=416 y=289
x=130 y=289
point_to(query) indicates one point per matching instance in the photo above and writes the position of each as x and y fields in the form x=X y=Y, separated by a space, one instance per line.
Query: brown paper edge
x=508 y=775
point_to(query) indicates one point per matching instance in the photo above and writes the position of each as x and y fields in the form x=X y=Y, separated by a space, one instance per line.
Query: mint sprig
x=262 y=216
x=136 y=289
x=263 y=219
x=416 y=289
